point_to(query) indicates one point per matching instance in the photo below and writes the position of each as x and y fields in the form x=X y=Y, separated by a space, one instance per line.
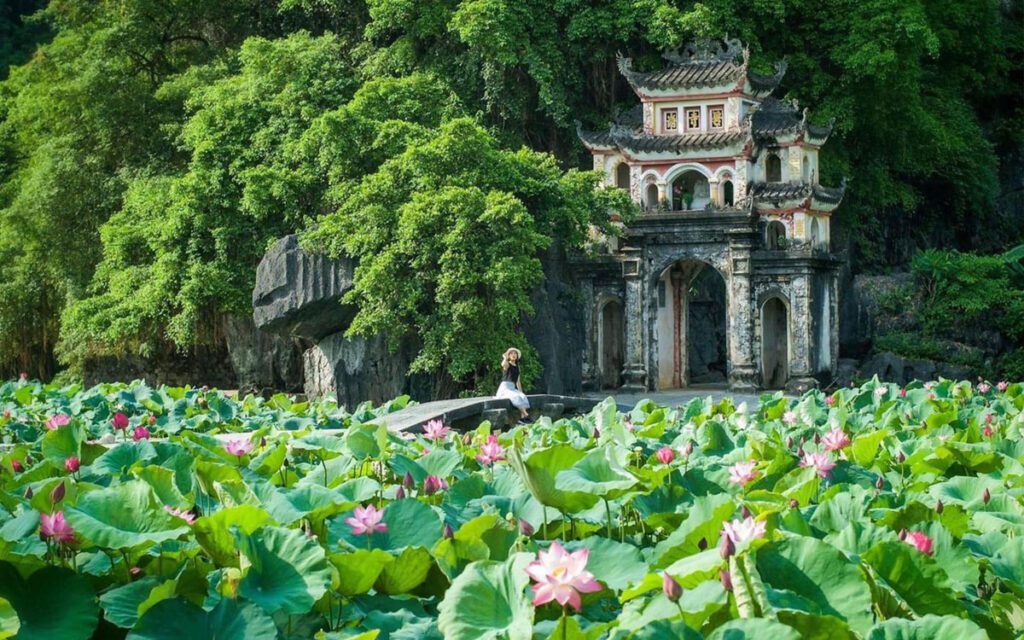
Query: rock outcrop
x=263 y=362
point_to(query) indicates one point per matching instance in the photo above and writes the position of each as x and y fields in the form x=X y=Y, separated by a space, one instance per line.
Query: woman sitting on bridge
x=510 y=386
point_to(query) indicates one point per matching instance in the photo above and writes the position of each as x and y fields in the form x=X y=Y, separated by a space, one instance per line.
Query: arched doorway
x=622 y=176
x=728 y=199
x=806 y=170
x=816 y=237
x=651 y=197
x=775 y=236
x=610 y=345
x=690 y=326
x=773 y=168
x=690 y=191
x=774 y=344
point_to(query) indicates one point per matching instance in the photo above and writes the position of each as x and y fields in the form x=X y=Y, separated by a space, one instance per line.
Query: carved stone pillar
x=634 y=373
x=590 y=373
x=740 y=317
x=800 y=364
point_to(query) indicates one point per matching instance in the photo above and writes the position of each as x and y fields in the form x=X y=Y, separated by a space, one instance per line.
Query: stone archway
x=690 y=327
x=611 y=344
x=690 y=190
x=622 y=176
x=774 y=343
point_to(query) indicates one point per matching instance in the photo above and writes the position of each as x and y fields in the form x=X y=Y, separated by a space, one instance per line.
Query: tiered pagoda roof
x=776 y=119
x=795 y=195
x=704 y=64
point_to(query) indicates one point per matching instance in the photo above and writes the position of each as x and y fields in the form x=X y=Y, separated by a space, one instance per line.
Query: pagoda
x=727 y=275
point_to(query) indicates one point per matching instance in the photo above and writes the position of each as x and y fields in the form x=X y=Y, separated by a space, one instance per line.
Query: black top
x=511 y=374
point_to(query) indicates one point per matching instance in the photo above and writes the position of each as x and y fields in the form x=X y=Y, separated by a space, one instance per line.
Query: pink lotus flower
x=140 y=433
x=561 y=576
x=435 y=430
x=932 y=396
x=988 y=418
x=686 y=449
x=55 y=527
x=880 y=392
x=1002 y=385
x=821 y=462
x=830 y=400
x=920 y=541
x=120 y=421
x=23 y=376
x=666 y=455
x=7 y=413
x=743 y=472
x=987 y=431
x=903 y=393
x=835 y=439
x=16 y=466
x=184 y=514
x=491 y=451
x=367 y=521
x=789 y=418
x=72 y=464
x=984 y=387
x=57 y=421
x=742 y=530
x=238 y=446
x=432 y=484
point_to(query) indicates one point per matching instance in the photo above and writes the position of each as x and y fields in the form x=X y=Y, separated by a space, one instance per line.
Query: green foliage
x=915 y=345
x=252 y=550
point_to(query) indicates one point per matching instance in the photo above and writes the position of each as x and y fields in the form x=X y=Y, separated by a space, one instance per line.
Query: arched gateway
x=726 y=276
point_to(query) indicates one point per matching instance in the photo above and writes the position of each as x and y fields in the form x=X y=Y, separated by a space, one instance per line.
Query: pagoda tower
x=727 y=275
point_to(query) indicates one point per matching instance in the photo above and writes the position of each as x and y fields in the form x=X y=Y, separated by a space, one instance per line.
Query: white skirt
x=508 y=390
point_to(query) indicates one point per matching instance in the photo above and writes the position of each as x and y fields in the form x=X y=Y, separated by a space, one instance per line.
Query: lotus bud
x=447 y=532
x=687 y=448
x=987 y=431
x=525 y=528
x=432 y=484
x=72 y=464
x=7 y=413
x=135 y=573
x=152 y=419
x=817 y=438
x=58 y=493
x=400 y=494
x=726 y=579
x=789 y=442
x=702 y=544
x=800 y=451
x=903 y=534
x=597 y=433
x=467 y=439
x=407 y=481
x=29 y=493
x=726 y=548
x=673 y=591
x=938 y=506
x=205 y=389
x=988 y=418
x=119 y=421
x=986 y=496
x=24 y=376
x=901 y=457
x=745 y=512
x=794 y=503
x=879 y=483
x=263 y=441
x=16 y=466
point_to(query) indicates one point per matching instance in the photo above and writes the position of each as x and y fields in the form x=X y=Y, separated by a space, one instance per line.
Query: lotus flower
x=922 y=542
x=561 y=576
x=743 y=472
x=880 y=392
x=400 y=493
x=55 y=527
x=1002 y=385
x=23 y=376
x=140 y=433
x=672 y=589
x=367 y=521
x=57 y=421
x=7 y=413
x=16 y=466
x=238 y=446
x=432 y=484
x=726 y=579
x=789 y=418
x=821 y=462
x=525 y=528
x=491 y=451
x=72 y=464
x=987 y=431
x=903 y=393
x=120 y=421
x=742 y=530
x=989 y=418
x=184 y=514
x=666 y=455
x=830 y=400
x=835 y=439
x=984 y=387
x=151 y=419
x=686 y=449
x=435 y=430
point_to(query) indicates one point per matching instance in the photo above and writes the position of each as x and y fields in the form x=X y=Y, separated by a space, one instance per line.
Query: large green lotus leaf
x=928 y=628
x=52 y=604
x=216 y=532
x=538 y=471
x=754 y=629
x=316 y=502
x=600 y=472
x=62 y=443
x=918 y=580
x=177 y=619
x=407 y=572
x=162 y=481
x=366 y=440
x=804 y=616
x=614 y=563
x=20 y=526
x=358 y=570
x=488 y=601
x=123 y=516
x=358 y=489
x=9 y=622
x=441 y=462
x=120 y=459
x=689 y=572
x=288 y=571
x=661 y=629
x=964 y=490
x=409 y=522
x=703 y=521
x=800 y=484
x=121 y=604
x=697 y=604
x=865 y=446
x=820 y=573
x=1008 y=563
x=320 y=443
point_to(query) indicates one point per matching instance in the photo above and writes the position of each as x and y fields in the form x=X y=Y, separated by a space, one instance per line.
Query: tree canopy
x=150 y=149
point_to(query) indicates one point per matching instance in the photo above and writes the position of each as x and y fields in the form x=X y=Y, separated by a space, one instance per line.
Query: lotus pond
x=872 y=512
